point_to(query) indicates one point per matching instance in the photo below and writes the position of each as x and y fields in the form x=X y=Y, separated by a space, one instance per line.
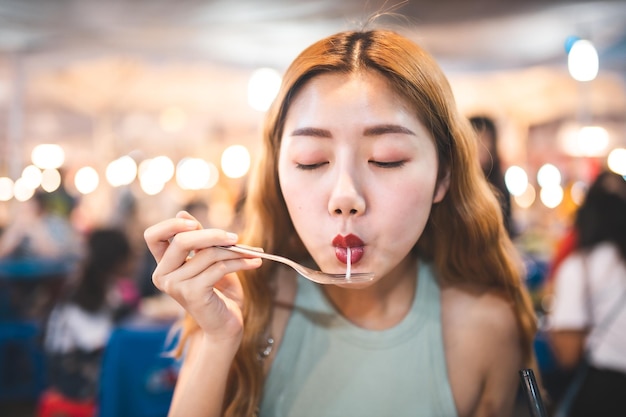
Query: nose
x=346 y=198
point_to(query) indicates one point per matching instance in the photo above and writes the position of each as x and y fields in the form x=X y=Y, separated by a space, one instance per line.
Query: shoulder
x=595 y=264
x=65 y=311
x=483 y=348
x=481 y=309
x=479 y=326
x=571 y=264
x=605 y=253
x=78 y=317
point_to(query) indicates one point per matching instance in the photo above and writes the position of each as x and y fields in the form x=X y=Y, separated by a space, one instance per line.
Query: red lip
x=342 y=243
x=348 y=241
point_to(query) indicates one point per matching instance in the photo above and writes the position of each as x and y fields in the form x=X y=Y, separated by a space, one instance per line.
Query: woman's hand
x=200 y=276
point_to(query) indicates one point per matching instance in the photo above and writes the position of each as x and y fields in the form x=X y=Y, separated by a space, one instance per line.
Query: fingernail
x=232 y=237
x=191 y=223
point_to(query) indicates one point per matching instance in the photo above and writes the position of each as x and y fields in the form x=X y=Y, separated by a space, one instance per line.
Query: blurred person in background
x=80 y=325
x=39 y=250
x=489 y=157
x=587 y=318
x=39 y=232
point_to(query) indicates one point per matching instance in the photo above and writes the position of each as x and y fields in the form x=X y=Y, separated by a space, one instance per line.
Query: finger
x=158 y=236
x=203 y=258
x=183 y=214
x=209 y=257
x=193 y=280
x=182 y=244
x=186 y=215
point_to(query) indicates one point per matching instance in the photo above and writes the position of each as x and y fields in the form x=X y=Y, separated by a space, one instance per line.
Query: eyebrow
x=312 y=131
x=370 y=131
x=389 y=128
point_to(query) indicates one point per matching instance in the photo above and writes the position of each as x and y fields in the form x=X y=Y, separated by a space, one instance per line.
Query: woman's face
x=358 y=172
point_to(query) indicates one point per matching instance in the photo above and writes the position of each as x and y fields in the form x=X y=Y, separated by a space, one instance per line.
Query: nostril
x=351 y=212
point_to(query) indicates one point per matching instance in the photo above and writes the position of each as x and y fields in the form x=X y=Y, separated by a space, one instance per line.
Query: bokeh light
x=551 y=196
x=6 y=188
x=616 y=161
x=263 y=86
x=593 y=140
x=150 y=185
x=235 y=161
x=86 y=180
x=22 y=191
x=121 y=171
x=548 y=175
x=196 y=174
x=516 y=180
x=50 y=179
x=582 y=61
x=31 y=176
x=47 y=156
x=162 y=168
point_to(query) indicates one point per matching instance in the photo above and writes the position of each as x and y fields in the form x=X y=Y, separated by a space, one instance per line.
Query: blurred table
x=29 y=288
x=22 y=366
x=138 y=376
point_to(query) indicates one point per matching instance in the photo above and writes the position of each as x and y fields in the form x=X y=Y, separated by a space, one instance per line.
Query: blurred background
x=129 y=110
x=162 y=79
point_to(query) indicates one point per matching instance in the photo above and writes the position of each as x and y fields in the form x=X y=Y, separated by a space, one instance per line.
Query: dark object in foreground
x=533 y=396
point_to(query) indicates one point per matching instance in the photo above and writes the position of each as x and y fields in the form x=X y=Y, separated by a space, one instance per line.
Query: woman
x=588 y=316
x=38 y=233
x=491 y=164
x=79 y=326
x=365 y=152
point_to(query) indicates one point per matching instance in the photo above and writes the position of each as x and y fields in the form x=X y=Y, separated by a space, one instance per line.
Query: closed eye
x=310 y=167
x=391 y=164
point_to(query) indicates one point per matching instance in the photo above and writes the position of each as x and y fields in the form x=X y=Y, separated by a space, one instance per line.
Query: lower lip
x=356 y=253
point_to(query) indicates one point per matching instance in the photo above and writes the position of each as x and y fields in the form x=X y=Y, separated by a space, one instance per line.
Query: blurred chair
x=138 y=377
x=29 y=288
x=22 y=365
x=54 y=404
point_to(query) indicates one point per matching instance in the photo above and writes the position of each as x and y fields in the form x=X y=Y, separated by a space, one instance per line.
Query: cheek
x=303 y=207
x=302 y=191
x=299 y=199
x=406 y=207
x=295 y=199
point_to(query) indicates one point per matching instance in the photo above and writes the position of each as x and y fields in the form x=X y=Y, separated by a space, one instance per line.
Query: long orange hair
x=464 y=238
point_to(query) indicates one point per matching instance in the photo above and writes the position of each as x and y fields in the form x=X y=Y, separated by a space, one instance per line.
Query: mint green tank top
x=328 y=367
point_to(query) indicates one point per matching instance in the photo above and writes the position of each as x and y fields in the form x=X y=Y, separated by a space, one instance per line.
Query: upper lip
x=348 y=241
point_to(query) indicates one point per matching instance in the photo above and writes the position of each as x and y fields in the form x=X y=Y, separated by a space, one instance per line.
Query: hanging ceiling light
x=582 y=61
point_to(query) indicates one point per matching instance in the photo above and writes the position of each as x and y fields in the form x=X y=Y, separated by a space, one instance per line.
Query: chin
x=356 y=286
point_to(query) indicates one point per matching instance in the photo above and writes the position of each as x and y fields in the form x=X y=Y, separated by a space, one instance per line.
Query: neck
x=383 y=304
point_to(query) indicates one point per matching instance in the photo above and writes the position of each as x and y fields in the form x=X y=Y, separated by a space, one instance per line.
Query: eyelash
x=386 y=165
x=310 y=167
x=393 y=164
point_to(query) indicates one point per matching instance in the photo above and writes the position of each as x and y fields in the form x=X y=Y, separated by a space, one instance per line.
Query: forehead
x=365 y=91
x=348 y=106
